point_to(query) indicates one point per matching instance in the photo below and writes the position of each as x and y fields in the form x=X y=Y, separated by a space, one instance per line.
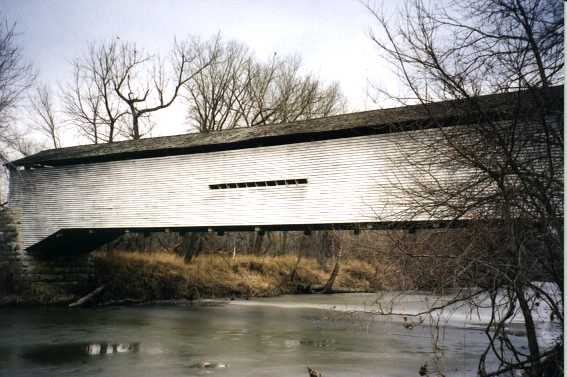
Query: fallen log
x=83 y=300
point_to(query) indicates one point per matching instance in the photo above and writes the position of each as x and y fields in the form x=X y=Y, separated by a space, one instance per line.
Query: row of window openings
x=281 y=182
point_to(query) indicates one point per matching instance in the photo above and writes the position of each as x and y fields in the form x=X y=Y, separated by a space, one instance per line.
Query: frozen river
x=262 y=337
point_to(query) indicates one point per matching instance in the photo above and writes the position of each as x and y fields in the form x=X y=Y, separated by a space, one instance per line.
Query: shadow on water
x=56 y=354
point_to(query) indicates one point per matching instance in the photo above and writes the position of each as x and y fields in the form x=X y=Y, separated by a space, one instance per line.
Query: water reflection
x=209 y=365
x=72 y=352
x=256 y=338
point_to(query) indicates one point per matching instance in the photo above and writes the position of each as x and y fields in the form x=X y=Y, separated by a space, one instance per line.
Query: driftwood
x=87 y=298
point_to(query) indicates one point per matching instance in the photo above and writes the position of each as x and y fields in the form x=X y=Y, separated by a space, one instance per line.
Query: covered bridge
x=337 y=171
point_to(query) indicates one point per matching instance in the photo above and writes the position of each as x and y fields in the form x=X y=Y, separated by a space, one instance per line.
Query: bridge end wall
x=36 y=278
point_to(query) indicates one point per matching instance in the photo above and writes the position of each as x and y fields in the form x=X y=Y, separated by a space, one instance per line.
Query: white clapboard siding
x=350 y=180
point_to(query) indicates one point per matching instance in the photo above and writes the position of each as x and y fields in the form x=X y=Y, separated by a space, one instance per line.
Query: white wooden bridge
x=340 y=172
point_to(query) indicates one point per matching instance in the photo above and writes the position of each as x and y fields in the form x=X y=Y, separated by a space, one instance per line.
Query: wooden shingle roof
x=345 y=125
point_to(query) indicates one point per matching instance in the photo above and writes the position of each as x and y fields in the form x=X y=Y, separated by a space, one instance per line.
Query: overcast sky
x=331 y=36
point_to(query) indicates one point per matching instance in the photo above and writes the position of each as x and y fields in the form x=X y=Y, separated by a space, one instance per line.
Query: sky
x=332 y=37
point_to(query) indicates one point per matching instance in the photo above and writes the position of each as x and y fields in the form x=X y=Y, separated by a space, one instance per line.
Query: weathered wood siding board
x=349 y=180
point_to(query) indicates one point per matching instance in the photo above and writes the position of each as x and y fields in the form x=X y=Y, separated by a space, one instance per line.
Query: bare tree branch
x=503 y=170
x=43 y=113
x=240 y=91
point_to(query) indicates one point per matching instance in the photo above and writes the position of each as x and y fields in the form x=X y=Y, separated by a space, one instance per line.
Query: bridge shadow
x=67 y=242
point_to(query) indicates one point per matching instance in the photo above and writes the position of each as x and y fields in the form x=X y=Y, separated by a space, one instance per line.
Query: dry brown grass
x=152 y=276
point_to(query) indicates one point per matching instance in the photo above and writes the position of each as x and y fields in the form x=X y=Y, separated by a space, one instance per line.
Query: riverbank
x=143 y=277
x=123 y=278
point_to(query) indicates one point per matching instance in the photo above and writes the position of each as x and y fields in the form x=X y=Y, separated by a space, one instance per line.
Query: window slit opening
x=279 y=182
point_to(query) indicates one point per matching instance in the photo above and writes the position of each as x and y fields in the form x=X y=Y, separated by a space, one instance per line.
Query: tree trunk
x=111 y=132
x=258 y=241
x=191 y=245
x=530 y=333
x=283 y=245
x=325 y=245
x=294 y=272
x=135 y=124
x=328 y=288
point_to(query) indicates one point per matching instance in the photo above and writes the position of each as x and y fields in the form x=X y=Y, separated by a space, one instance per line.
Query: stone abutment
x=36 y=277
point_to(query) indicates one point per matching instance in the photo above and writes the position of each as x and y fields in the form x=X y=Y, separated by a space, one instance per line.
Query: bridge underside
x=84 y=240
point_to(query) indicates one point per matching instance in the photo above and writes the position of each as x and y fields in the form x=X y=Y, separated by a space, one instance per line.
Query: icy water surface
x=264 y=337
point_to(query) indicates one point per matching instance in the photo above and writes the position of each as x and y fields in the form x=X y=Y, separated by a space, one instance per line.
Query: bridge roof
x=346 y=125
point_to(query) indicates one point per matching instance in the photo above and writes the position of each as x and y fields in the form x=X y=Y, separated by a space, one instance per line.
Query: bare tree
x=292 y=96
x=240 y=91
x=117 y=87
x=83 y=107
x=503 y=172
x=212 y=94
x=43 y=114
x=16 y=76
x=276 y=92
x=144 y=84
x=89 y=100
